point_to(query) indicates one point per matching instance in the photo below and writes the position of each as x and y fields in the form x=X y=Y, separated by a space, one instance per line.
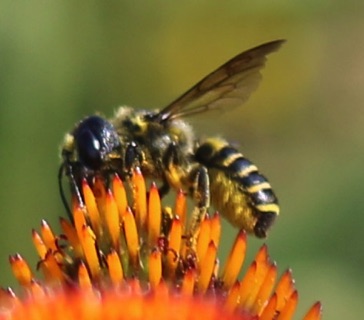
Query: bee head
x=94 y=139
x=87 y=150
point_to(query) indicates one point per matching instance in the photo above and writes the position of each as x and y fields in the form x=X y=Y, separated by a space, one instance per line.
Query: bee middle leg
x=173 y=160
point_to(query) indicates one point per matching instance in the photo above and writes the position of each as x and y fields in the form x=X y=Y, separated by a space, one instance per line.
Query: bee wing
x=228 y=86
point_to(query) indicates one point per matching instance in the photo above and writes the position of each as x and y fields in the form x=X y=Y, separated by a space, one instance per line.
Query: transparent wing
x=228 y=86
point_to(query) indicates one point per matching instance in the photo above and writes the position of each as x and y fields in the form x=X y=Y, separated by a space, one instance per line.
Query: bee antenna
x=74 y=185
x=61 y=191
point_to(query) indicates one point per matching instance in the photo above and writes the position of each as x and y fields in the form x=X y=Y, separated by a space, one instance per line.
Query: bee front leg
x=133 y=157
x=200 y=191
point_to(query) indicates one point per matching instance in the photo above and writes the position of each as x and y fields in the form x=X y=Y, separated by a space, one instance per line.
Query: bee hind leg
x=197 y=179
x=200 y=191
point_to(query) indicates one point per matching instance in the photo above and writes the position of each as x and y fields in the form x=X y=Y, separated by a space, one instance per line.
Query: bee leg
x=173 y=156
x=74 y=188
x=201 y=194
x=164 y=189
x=133 y=157
x=172 y=160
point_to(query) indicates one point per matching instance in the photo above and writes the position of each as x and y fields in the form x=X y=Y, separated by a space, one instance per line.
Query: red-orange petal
x=247 y=283
x=72 y=237
x=37 y=290
x=188 y=282
x=204 y=238
x=51 y=268
x=232 y=300
x=285 y=288
x=314 y=313
x=269 y=312
x=21 y=270
x=154 y=215
x=131 y=236
x=79 y=221
x=289 y=308
x=112 y=219
x=85 y=304
x=174 y=246
x=180 y=207
x=84 y=279
x=39 y=244
x=155 y=269
x=99 y=191
x=140 y=199
x=265 y=290
x=120 y=195
x=8 y=301
x=262 y=267
x=88 y=240
x=92 y=209
x=115 y=268
x=207 y=267
x=234 y=261
x=48 y=236
x=215 y=229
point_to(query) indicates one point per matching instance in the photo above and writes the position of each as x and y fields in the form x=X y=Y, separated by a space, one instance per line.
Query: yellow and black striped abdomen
x=242 y=194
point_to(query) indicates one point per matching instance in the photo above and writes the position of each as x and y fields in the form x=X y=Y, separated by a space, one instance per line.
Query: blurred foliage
x=62 y=60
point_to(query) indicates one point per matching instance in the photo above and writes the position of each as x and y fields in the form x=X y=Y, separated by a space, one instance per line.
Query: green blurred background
x=62 y=60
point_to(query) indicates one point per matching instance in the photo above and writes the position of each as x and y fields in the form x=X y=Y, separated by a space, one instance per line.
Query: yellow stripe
x=246 y=171
x=259 y=187
x=228 y=161
x=268 y=208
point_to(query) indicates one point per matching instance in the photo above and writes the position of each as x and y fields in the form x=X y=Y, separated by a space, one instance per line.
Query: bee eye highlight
x=88 y=147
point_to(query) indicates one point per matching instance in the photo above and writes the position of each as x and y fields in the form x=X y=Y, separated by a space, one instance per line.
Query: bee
x=165 y=148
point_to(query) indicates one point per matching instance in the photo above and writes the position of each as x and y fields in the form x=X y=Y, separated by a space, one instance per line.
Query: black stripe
x=238 y=165
x=226 y=152
x=223 y=154
x=252 y=179
x=204 y=154
x=264 y=196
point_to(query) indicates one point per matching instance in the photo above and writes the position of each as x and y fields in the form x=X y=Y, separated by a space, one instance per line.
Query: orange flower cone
x=136 y=259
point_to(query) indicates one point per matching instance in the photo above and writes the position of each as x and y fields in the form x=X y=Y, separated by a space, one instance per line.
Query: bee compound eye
x=95 y=137
x=88 y=147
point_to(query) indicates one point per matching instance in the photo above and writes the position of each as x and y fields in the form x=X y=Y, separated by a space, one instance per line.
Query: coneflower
x=126 y=256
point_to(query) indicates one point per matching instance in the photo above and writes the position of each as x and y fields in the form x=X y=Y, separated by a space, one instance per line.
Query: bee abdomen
x=259 y=189
x=258 y=193
x=246 y=174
